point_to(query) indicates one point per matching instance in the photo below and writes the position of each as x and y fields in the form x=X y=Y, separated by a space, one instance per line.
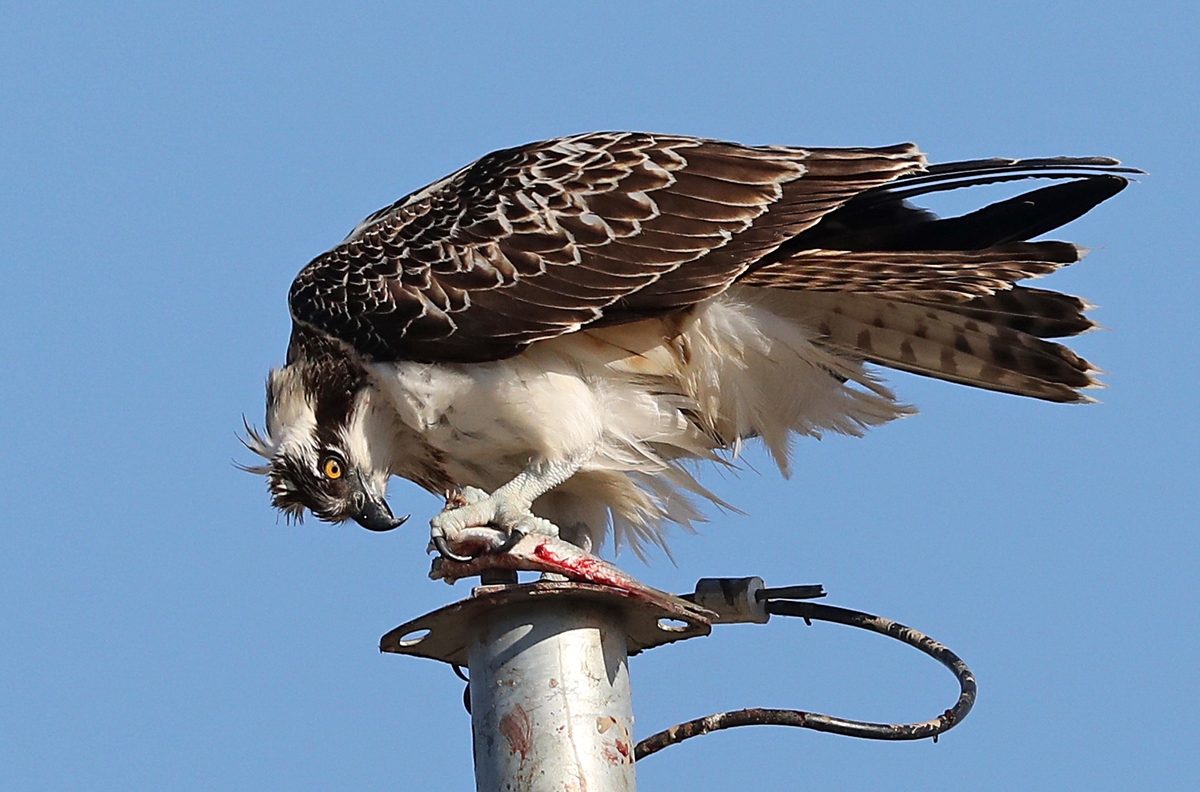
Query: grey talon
x=445 y=552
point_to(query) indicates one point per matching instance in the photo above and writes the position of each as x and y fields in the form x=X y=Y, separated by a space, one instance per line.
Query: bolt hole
x=673 y=625
x=413 y=638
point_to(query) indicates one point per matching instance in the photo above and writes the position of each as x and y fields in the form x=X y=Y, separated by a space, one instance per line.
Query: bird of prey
x=557 y=330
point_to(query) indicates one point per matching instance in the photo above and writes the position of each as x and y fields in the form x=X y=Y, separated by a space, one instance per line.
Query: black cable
x=810 y=720
x=458 y=672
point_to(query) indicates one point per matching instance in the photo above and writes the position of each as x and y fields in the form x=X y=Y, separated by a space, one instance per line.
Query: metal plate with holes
x=445 y=633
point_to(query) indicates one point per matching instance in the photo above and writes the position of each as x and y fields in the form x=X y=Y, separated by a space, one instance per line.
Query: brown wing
x=541 y=240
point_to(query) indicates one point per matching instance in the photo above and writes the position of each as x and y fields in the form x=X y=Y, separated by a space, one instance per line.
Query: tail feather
x=931 y=275
x=882 y=280
x=1038 y=312
x=944 y=344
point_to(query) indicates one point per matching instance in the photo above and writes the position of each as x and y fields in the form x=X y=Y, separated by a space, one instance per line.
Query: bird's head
x=322 y=446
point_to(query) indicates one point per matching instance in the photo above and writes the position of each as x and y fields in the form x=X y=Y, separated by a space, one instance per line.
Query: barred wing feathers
x=534 y=242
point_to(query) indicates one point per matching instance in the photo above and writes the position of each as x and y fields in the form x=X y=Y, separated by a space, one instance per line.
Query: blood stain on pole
x=517 y=728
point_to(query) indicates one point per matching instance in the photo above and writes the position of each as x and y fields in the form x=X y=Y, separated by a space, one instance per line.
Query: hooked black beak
x=375 y=515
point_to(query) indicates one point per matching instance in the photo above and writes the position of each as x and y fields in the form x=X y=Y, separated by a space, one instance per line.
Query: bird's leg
x=495 y=522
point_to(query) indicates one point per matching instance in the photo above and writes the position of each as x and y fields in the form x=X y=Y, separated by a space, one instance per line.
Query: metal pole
x=550 y=698
x=549 y=687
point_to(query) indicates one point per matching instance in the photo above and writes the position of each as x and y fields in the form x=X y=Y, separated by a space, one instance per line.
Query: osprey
x=557 y=329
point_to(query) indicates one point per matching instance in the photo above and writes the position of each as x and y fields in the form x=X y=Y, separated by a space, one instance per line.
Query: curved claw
x=514 y=536
x=445 y=552
x=443 y=547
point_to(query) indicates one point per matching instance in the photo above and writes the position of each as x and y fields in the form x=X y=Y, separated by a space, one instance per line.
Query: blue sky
x=165 y=170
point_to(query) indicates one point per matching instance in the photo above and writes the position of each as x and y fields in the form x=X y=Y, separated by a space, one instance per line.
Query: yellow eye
x=332 y=468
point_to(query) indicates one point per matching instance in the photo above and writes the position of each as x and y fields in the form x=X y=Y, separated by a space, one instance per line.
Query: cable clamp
x=744 y=600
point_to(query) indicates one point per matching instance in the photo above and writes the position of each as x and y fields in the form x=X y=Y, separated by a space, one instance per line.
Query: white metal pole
x=550 y=698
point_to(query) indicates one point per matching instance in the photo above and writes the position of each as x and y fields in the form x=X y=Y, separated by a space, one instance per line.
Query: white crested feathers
x=291 y=420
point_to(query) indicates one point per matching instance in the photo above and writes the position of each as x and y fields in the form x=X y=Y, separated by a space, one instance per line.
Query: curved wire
x=458 y=672
x=810 y=720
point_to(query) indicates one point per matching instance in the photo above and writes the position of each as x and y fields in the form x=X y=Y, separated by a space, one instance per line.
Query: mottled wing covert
x=540 y=240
